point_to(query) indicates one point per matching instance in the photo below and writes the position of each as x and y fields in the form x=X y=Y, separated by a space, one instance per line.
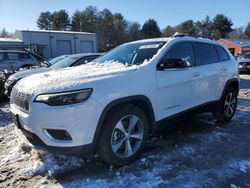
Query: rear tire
x=124 y=135
x=227 y=106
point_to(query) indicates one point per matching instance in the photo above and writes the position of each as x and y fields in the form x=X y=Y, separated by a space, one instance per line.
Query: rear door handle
x=196 y=74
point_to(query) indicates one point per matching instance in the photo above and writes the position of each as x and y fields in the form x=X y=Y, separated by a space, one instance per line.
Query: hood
x=71 y=78
x=25 y=73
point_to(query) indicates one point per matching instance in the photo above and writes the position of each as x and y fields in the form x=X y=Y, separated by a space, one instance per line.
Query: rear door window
x=206 y=53
x=223 y=55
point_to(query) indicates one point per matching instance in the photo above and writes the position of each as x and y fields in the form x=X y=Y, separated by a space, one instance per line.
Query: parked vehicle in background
x=56 y=63
x=244 y=62
x=2 y=80
x=11 y=60
x=111 y=105
x=3 y=77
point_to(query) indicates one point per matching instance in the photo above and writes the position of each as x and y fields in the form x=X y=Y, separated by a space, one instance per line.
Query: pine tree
x=247 y=31
x=44 y=21
x=60 y=20
x=186 y=27
x=222 y=26
x=150 y=29
x=4 y=33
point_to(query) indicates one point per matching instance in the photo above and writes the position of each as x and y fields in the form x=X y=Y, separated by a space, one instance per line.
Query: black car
x=57 y=63
x=244 y=62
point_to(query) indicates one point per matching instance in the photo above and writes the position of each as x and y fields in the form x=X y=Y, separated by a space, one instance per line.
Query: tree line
x=113 y=29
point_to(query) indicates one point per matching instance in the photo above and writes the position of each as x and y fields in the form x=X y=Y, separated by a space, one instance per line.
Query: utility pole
x=81 y=26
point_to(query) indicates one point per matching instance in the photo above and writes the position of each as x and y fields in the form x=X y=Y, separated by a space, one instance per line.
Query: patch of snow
x=143 y=160
x=216 y=136
x=36 y=162
x=243 y=166
x=15 y=155
x=48 y=164
x=233 y=186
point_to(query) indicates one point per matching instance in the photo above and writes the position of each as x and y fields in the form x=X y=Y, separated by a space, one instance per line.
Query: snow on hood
x=71 y=78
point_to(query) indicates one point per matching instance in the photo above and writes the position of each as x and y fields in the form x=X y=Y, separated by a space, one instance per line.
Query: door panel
x=206 y=87
x=175 y=86
x=175 y=91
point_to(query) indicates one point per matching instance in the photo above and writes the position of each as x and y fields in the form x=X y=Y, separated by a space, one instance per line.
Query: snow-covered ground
x=194 y=153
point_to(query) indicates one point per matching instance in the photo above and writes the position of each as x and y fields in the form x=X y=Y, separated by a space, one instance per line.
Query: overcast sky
x=22 y=14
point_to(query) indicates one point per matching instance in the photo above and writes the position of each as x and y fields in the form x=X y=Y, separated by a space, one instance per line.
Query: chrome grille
x=20 y=99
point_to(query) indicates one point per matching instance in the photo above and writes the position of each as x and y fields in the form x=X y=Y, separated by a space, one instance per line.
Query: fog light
x=58 y=134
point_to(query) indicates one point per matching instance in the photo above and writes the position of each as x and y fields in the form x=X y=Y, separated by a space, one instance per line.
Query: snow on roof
x=151 y=40
x=243 y=42
x=10 y=40
x=53 y=31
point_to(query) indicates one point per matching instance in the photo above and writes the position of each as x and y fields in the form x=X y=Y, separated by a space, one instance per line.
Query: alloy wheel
x=127 y=136
x=230 y=104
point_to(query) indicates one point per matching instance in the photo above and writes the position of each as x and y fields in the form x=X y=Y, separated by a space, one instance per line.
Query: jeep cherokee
x=111 y=105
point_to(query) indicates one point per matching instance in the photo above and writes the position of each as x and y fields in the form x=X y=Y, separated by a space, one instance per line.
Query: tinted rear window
x=206 y=53
x=222 y=53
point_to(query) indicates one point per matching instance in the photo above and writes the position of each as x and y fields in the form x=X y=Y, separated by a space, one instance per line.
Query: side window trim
x=195 y=55
x=172 y=45
x=228 y=56
x=217 y=54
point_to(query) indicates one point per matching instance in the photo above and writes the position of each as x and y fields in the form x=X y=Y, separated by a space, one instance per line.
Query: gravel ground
x=197 y=152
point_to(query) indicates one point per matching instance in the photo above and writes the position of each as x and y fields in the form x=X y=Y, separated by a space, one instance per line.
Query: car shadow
x=173 y=133
x=168 y=136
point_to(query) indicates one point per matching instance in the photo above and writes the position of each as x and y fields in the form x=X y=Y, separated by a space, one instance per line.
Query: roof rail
x=177 y=34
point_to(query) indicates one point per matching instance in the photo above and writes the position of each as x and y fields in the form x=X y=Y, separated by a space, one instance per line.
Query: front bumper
x=33 y=140
x=79 y=120
x=244 y=66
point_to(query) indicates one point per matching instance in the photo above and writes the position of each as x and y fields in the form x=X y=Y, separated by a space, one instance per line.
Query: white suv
x=111 y=105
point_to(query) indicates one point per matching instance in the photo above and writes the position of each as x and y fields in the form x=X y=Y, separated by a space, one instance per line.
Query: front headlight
x=65 y=98
x=2 y=76
x=9 y=81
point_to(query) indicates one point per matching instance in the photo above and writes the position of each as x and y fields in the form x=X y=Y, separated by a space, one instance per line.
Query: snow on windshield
x=132 y=53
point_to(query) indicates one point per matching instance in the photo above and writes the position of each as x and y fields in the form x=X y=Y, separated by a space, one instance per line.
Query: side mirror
x=173 y=64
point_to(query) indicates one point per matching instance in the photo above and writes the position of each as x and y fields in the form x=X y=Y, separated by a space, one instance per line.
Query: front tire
x=227 y=106
x=124 y=135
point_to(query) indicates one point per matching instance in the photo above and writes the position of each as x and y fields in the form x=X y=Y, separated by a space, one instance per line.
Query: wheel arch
x=140 y=101
x=233 y=83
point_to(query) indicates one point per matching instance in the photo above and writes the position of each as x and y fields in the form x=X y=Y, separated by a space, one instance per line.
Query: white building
x=52 y=43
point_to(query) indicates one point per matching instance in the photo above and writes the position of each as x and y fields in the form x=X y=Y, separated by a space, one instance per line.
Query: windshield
x=56 y=59
x=132 y=54
x=66 y=62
